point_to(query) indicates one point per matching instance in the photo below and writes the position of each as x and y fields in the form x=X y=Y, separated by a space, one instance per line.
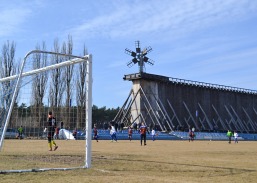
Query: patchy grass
x=125 y=161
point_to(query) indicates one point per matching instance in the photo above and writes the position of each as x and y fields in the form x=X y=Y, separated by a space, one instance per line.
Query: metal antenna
x=139 y=56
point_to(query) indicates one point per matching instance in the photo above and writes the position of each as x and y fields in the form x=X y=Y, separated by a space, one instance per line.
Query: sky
x=199 y=40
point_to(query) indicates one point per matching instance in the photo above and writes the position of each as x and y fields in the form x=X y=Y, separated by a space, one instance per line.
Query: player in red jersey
x=143 y=129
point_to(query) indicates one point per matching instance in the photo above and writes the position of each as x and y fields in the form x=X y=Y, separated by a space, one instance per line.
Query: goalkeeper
x=51 y=125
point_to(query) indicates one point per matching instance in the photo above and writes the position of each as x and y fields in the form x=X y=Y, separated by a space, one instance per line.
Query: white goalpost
x=15 y=113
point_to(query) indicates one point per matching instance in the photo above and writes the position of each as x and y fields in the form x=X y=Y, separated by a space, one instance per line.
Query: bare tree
x=68 y=81
x=57 y=82
x=7 y=68
x=39 y=86
x=81 y=92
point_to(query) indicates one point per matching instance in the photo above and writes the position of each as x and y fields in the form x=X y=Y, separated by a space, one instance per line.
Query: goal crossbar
x=51 y=67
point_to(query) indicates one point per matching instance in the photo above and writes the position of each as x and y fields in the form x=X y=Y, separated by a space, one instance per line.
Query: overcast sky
x=201 y=40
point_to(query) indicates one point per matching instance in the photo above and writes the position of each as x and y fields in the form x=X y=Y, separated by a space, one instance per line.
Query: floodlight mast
x=139 y=57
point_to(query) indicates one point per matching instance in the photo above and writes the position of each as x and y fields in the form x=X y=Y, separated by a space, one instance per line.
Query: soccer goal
x=46 y=82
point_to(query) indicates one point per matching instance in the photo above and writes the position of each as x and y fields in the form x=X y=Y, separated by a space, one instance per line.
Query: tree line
x=62 y=90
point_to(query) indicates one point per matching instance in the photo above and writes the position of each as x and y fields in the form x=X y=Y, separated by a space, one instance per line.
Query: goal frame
x=88 y=120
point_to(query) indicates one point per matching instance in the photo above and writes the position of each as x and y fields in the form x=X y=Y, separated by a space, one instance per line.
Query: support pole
x=89 y=113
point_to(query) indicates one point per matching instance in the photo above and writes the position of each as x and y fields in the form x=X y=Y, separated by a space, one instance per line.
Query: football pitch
x=128 y=161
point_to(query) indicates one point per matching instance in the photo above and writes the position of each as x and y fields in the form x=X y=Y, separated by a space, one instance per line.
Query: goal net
x=46 y=82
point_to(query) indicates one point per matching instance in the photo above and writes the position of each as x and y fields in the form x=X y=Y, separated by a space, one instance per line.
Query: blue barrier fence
x=175 y=135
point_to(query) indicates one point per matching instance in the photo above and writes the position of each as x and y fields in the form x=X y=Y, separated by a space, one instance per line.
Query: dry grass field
x=125 y=161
